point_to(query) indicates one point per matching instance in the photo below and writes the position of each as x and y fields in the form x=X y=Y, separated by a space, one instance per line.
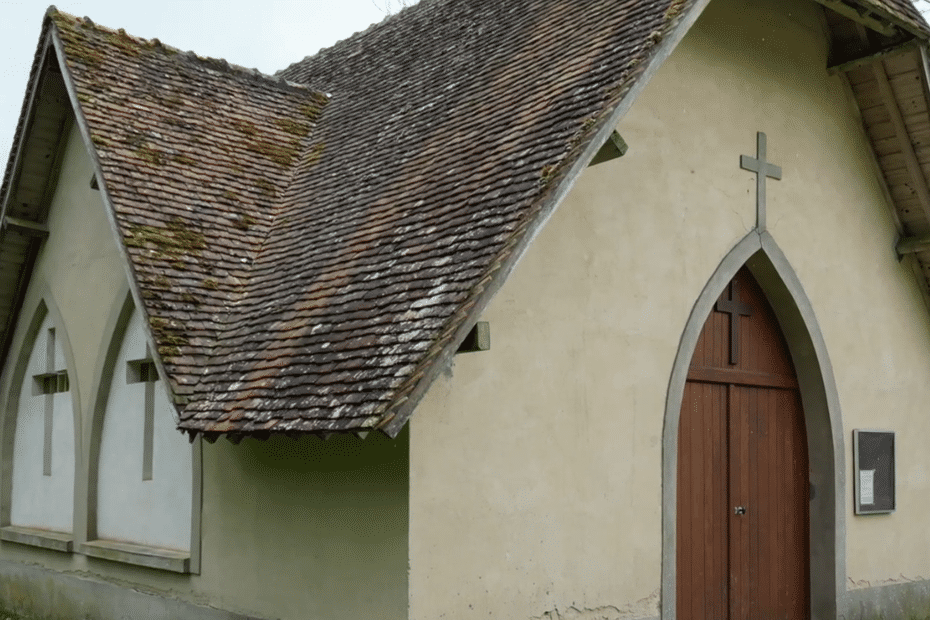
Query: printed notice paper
x=867 y=486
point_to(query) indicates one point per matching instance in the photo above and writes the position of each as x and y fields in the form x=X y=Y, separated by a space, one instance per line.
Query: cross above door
x=763 y=170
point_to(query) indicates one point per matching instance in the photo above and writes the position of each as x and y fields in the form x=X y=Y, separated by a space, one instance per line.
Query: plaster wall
x=154 y=512
x=537 y=465
x=307 y=528
x=41 y=501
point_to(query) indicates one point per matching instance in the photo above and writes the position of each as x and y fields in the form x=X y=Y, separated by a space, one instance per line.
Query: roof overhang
x=30 y=181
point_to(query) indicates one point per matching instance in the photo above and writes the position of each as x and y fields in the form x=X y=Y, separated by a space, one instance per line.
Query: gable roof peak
x=134 y=46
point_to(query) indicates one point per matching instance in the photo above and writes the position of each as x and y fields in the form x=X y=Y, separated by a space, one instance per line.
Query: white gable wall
x=38 y=500
x=154 y=512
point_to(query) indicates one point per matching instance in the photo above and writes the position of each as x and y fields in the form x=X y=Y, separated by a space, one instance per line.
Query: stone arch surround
x=44 y=308
x=823 y=419
x=109 y=375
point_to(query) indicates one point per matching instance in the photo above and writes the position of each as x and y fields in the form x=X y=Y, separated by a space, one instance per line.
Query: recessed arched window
x=142 y=466
x=39 y=431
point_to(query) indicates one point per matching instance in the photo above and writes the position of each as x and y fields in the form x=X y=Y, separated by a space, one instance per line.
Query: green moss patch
x=295 y=128
x=172 y=242
x=314 y=154
x=123 y=42
x=183 y=159
x=281 y=153
x=266 y=187
x=170 y=338
x=245 y=126
x=245 y=222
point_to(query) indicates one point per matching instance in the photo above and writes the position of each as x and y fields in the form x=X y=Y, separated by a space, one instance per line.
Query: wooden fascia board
x=863 y=17
x=13 y=172
x=110 y=211
x=873 y=57
x=894 y=19
x=25 y=227
x=392 y=419
x=925 y=74
x=19 y=297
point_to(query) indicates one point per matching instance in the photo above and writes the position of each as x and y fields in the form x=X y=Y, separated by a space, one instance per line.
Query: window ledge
x=47 y=539
x=140 y=555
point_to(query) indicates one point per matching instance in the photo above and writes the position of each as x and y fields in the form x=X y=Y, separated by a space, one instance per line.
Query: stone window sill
x=140 y=555
x=47 y=539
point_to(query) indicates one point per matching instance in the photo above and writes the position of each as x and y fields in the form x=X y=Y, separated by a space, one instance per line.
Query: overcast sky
x=267 y=35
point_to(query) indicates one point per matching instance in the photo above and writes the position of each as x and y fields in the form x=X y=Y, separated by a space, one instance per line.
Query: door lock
x=739 y=510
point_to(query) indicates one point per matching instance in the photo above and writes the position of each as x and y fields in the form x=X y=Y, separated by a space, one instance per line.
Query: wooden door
x=743 y=551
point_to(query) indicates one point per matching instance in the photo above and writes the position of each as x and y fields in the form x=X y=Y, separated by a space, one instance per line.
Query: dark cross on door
x=729 y=303
x=762 y=169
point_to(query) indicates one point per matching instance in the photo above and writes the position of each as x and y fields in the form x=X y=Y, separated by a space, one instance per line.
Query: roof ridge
x=334 y=48
x=208 y=62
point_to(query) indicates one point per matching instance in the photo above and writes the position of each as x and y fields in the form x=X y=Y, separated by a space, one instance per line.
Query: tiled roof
x=310 y=248
x=303 y=272
x=195 y=156
x=448 y=124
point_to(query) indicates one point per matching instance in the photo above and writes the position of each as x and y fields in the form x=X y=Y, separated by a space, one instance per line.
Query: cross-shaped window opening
x=145 y=371
x=52 y=383
x=141 y=371
x=48 y=384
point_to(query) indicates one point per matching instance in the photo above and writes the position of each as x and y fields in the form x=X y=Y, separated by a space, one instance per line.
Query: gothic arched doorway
x=743 y=479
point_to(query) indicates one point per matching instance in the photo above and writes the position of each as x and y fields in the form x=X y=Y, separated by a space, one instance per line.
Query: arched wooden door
x=743 y=482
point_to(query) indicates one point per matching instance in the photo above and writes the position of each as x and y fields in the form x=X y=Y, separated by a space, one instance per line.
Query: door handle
x=739 y=510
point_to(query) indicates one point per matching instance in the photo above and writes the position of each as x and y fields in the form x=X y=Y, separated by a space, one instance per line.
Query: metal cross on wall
x=729 y=303
x=763 y=170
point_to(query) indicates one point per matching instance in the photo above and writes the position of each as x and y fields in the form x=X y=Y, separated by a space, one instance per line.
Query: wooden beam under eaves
x=872 y=57
x=478 y=339
x=614 y=147
x=912 y=245
x=25 y=227
x=860 y=15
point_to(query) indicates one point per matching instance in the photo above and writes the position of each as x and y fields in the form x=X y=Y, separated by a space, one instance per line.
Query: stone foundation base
x=905 y=601
x=41 y=594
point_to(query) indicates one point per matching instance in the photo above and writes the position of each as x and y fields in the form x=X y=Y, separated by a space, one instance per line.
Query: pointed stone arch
x=122 y=315
x=43 y=310
x=795 y=315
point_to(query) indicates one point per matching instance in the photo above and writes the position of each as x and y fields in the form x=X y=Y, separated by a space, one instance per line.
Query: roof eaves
x=681 y=15
x=880 y=8
x=10 y=179
x=27 y=112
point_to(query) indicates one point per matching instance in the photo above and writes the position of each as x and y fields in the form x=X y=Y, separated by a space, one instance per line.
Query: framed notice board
x=873 y=462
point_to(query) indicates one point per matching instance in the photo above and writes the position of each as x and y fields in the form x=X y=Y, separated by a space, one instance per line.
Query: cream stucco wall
x=536 y=466
x=290 y=529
